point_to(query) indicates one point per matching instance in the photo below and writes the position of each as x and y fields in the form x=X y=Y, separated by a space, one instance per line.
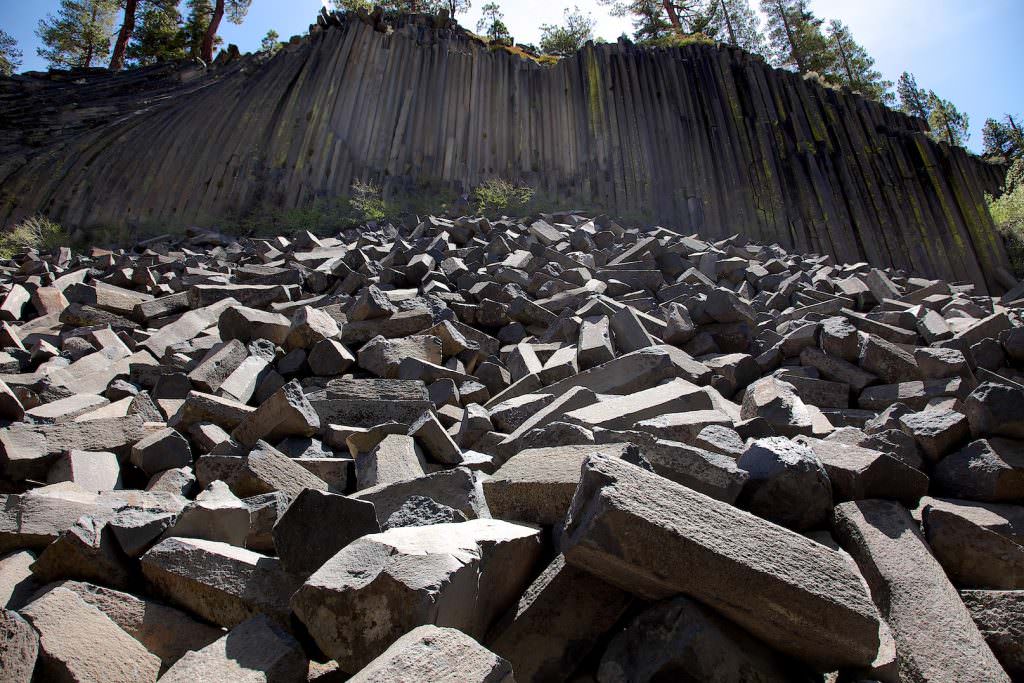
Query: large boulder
x=383 y=585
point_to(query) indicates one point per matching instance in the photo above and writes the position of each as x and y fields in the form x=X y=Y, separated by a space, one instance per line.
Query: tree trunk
x=846 y=63
x=793 y=51
x=127 y=27
x=211 y=32
x=673 y=16
x=728 y=24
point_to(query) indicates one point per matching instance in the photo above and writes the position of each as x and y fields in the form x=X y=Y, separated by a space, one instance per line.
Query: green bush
x=1008 y=213
x=368 y=201
x=37 y=232
x=497 y=196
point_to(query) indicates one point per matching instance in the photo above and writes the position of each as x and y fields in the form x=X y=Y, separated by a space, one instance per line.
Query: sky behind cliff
x=968 y=52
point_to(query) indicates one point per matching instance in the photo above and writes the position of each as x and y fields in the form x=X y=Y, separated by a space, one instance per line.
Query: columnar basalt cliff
x=699 y=138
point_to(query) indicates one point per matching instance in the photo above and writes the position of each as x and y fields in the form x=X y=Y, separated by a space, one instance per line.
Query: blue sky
x=968 y=52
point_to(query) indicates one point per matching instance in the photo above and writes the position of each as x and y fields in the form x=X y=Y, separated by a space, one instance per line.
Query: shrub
x=368 y=201
x=36 y=232
x=676 y=40
x=1008 y=213
x=497 y=196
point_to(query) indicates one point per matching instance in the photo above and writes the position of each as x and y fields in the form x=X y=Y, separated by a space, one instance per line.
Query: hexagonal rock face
x=656 y=539
x=788 y=484
x=431 y=653
x=383 y=585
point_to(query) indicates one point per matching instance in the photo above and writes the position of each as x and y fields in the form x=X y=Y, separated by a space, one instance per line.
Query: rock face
x=655 y=538
x=431 y=653
x=381 y=586
x=936 y=640
x=555 y=448
x=581 y=147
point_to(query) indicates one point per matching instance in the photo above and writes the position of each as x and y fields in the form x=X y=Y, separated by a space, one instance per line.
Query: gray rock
x=989 y=470
x=656 y=539
x=317 y=525
x=936 y=640
x=980 y=545
x=383 y=585
x=256 y=650
x=787 y=484
x=999 y=616
x=680 y=639
x=432 y=653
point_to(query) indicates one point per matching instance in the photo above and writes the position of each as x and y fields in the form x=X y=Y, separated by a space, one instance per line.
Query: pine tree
x=656 y=20
x=79 y=35
x=271 y=43
x=196 y=26
x=736 y=23
x=492 y=24
x=913 y=100
x=235 y=11
x=948 y=123
x=854 y=67
x=124 y=35
x=1003 y=139
x=160 y=36
x=10 y=55
x=567 y=39
x=795 y=39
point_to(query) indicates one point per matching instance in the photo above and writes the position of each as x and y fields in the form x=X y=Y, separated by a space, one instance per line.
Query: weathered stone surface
x=216 y=514
x=788 y=484
x=935 y=637
x=317 y=525
x=285 y=413
x=19 y=647
x=537 y=484
x=436 y=654
x=420 y=511
x=394 y=459
x=246 y=324
x=936 y=431
x=656 y=539
x=458 y=488
x=989 y=470
x=999 y=616
x=166 y=632
x=87 y=550
x=857 y=473
x=383 y=585
x=680 y=639
x=266 y=469
x=219 y=582
x=777 y=403
x=77 y=642
x=256 y=650
x=16 y=583
x=91 y=471
x=980 y=545
x=622 y=411
x=162 y=450
x=545 y=641
x=994 y=410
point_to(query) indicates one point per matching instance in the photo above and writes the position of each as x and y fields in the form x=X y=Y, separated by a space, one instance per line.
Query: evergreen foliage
x=571 y=36
x=854 y=67
x=78 y=36
x=10 y=55
x=160 y=35
x=795 y=38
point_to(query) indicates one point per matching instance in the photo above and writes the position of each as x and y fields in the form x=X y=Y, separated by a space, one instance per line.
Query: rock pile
x=470 y=450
